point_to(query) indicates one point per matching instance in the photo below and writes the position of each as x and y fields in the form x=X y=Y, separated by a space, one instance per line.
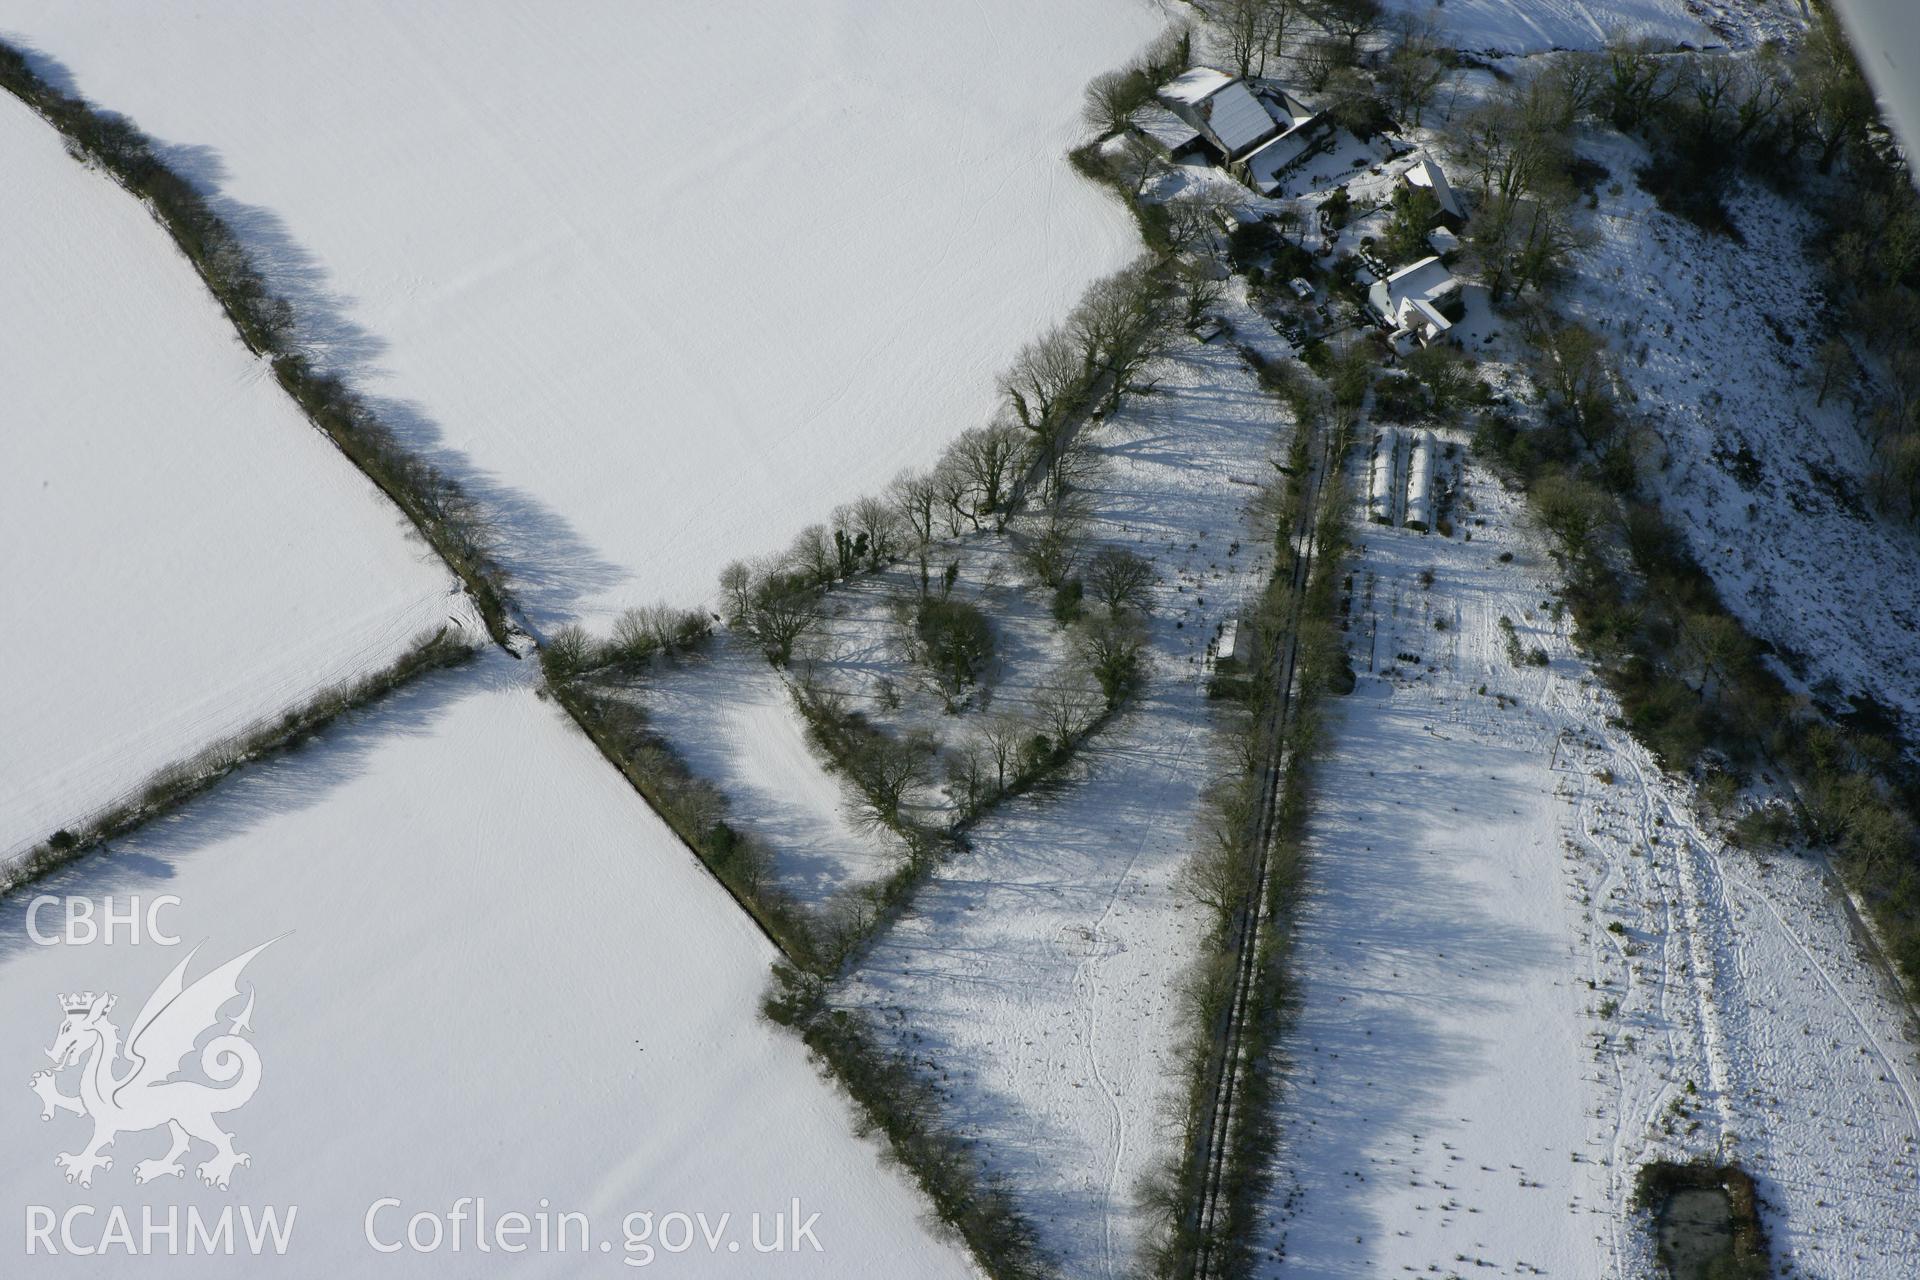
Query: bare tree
x=953 y=482
x=1002 y=737
x=1835 y=367
x=1246 y=36
x=1719 y=645
x=1349 y=22
x=1416 y=68
x=1067 y=706
x=1319 y=60
x=1050 y=549
x=915 y=498
x=779 y=613
x=1113 y=97
x=1201 y=286
x=1524 y=243
x=1832 y=104
x=1110 y=648
x=1120 y=325
x=736 y=590
x=1571 y=364
x=1638 y=80
x=1133 y=162
x=1283 y=19
x=569 y=652
x=813 y=555
x=991 y=457
x=1581 y=78
x=1572 y=510
x=1119 y=579
x=640 y=633
x=889 y=772
x=967 y=767
x=878 y=522
x=1516 y=144
x=1193 y=219
x=1046 y=373
x=1220 y=874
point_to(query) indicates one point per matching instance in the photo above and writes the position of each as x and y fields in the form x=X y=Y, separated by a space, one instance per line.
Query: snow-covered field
x=730 y=717
x=1768 y=487
x=1035 y=973
x=496 y=974
x=183 y=554
x=1531 y=26
x=1527 y=967
x=662 y=281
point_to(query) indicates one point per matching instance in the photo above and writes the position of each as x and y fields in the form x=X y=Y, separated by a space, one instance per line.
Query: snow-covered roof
x=1423 y=310
x=1194 y=86
x=1425 y=173
x=1238 y=119
x=1409 y=294
x=1267 y=161
x=1164 y=127
x=1295 y=110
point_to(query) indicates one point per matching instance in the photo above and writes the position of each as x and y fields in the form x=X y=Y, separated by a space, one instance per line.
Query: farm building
x=1222 y=109
x=1169 y=134
x=1233 y=651
x=1426 y=174
x=1305 y=133
x=1256 y=129
x=1420 y=301
x=1382 y=475
x=1264 y=169
x=1420 y=483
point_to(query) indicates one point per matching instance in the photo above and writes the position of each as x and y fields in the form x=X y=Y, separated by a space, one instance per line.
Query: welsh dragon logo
x=143 y=1094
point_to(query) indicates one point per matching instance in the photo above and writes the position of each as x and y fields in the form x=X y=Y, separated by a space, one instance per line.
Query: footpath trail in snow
x=1035 y=973
x=662 y=282
x=1527 y=969
x=181 y=554
x=497 y=975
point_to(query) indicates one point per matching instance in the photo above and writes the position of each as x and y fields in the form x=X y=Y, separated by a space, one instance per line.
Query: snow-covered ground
x=730 y=717
x=1531 y=26
x=1886 y=38
x=495 y=975
x=1527 y=967
x=1768 y=487
x=183 y=554
x=662 y=281
x=1035 y=973
x=863 y=653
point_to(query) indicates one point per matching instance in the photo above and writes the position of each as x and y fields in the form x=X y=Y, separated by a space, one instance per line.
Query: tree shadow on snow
x=1398 y=958
x=551 y=566
x=159 y=856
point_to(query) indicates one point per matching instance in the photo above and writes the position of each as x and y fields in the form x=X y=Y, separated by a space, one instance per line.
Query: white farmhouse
x=1420 y=302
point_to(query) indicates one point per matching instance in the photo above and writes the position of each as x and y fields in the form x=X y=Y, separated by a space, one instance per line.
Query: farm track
x=1213 y=1143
